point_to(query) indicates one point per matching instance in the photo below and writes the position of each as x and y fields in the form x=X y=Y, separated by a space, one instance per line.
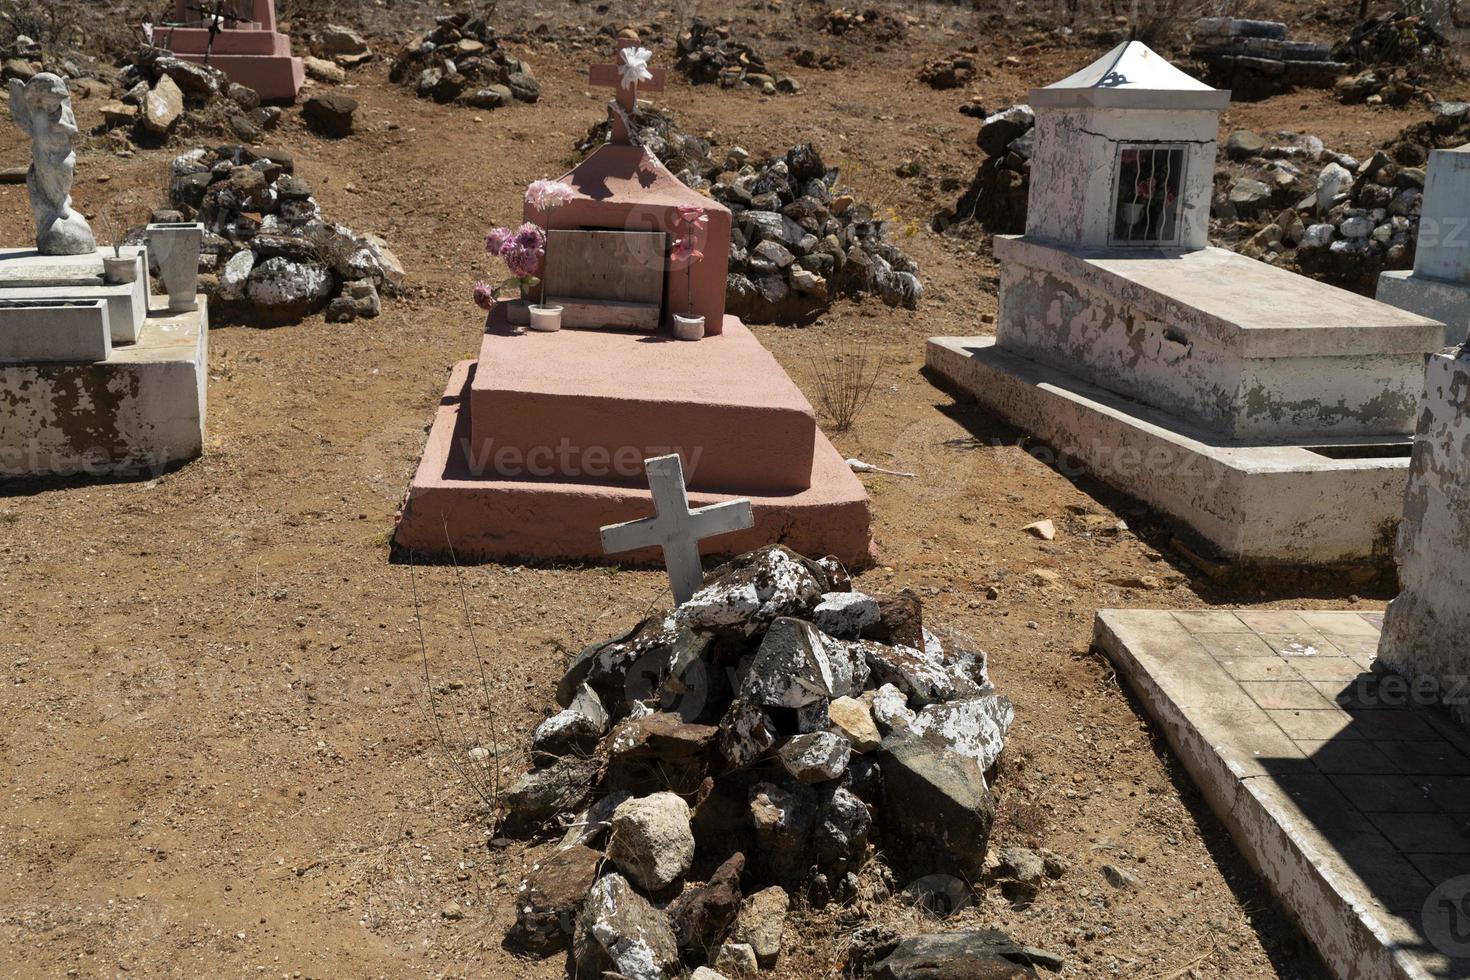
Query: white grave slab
x=43 y=331
x=25 y=275
x=1439 y=286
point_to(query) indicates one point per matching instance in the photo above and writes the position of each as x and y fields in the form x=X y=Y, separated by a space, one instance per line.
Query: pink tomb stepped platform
x=724 y=404
x=250 y=52
x=549 y=515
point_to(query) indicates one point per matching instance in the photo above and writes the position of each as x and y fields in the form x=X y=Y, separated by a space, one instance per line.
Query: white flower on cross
x=634 y=68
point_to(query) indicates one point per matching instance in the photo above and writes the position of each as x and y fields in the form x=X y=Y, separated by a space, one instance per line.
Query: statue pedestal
x=27 y=275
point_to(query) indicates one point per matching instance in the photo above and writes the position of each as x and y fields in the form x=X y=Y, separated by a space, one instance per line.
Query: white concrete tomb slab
x=1439 y=285
x=37 y=331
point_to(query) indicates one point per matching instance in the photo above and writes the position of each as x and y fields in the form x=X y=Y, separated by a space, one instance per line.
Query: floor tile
x=1425 y=758
x=1425 y=833
x=1385 y=794
x=1273 y=695
x=1272 y=620
x=1210 y=621
x=1323 y=725
x=1335 y=624
x=1272 y=668
x=1225 y=646
x=1347 y=757
x=1301 y=643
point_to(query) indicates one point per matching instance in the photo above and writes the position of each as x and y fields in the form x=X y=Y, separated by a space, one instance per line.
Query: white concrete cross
x=675 y=528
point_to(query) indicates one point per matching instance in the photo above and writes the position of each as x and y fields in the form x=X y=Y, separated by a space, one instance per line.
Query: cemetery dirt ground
x=215 y=759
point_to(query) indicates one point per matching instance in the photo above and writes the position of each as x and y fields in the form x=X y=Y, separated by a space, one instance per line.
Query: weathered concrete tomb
x=96 y=377
x=1269 y=413
x=1439 y=285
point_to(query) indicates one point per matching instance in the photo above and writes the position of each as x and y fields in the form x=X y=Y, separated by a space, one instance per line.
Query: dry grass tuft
x=845 y=379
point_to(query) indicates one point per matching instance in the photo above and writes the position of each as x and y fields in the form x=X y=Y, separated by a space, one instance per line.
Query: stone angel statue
x=42 y=108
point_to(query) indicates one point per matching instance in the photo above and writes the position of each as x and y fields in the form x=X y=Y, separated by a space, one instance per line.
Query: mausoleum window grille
x=1148 y=198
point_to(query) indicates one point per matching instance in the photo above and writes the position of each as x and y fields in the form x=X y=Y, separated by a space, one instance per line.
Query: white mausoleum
x=1268 y=412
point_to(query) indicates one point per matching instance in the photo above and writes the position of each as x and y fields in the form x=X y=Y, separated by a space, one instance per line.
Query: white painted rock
x=235 y=275
x=845 y=614
x=651 y=840
x=619 y=931
x=283 y=288
x=974 y=727
x=772 y=582
x=815 y=758
x=162 y=107
x=920 y=674
x=577 y=728
x=1332 y=181
x=796 y=668
x=737 y=959
x=891 y=708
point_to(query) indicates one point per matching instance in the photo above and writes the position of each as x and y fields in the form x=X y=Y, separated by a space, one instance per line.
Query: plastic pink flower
x=484 y=296
x=522 y=262
x=693 y=215
x=546 y=195
x=495 y=241
x=687 y=249
x=529 y=237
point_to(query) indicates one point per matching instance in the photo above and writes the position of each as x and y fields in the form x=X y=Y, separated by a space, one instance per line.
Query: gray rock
x=737 y=959
x=235 y=275
x=705 y=973
x=760 y=923
x=283 y=288
x=759 y=226
x=920 y=675
x=746 y=734
x=794 y=669
x=330 y=114
x=815 y=758
x=551 y=895
x=1333 y=181
x=783 y=820
x=841 y=834
x=162 y=107
x=651 y=841
x=577 y=728
x=619 y=931
x=998 y=130
x=936 y=806
x=774 y=253
x=974 y=727
x=1250 y=197
x=1244 y=144
x=523 y=87
x=982 y=954
x=753 y=590
x=845 y=614
x=541 y=794
x=489 y=97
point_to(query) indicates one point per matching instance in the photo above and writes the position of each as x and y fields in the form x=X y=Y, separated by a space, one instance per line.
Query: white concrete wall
x=1107 y=338
x=1426 y=634
x=1074 y=162
x=1447 y=302
x=1443 y=242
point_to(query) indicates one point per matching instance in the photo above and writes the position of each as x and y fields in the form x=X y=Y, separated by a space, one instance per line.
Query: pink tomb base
x=490 y=519
x=258 y=59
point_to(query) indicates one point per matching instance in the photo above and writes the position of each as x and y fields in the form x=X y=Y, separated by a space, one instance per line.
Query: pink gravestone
x=238 y=37
x=541 y=442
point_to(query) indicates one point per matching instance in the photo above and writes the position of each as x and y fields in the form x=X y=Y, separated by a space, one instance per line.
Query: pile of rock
x=877 y=24
x=1335 y=218
x=797 y=240
x=1254 y=59
x=823 y=61
x=996 y=198
x=341 y=46
x=1395 y=47
x=762 y=741
x=709 y=54
x=269 y=257
x=946 y=73
x=23 y=57
x=164 y=95
x=462 y=60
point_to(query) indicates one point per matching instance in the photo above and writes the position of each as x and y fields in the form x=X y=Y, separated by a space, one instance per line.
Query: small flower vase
x=119 y=270
x=175 y=245
x=1131 y=213
x=546 y=319
x=688 y=327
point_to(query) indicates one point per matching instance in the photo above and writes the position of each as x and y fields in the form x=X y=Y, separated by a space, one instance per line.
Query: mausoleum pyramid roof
x=1131 y=75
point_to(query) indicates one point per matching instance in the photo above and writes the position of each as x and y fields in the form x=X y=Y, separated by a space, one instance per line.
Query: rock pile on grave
x=463 y=60
x=269 y=255
x=996 y=198
x=1255 y=60
x=1293 y=201
x=873 y=24
x=798 y=240
x=710 y=54
x=757 y=746
x=166 y=96
x=1395 y=49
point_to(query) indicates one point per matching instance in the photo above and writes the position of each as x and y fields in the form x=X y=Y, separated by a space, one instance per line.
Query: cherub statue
x=42 y=108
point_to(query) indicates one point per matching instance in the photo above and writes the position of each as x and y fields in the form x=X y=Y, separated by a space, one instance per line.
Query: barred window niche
x=1147 y=198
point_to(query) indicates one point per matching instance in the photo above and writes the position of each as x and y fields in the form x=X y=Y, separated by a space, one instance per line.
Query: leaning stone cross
x=675 y=528
x=621 y=110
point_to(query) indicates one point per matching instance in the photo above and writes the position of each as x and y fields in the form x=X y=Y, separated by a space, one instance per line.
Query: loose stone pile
x=877 y=24
x=268 y=251
x=1347 y=222
x=1254 y=59
x=164 y=95
x=709 y=54
x=462 y=61
x=946 y=73
x=759 y=743
x=1396 y=47
x=797 y=240
x=996 y=198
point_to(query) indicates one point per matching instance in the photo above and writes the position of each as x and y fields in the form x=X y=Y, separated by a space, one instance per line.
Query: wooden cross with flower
x=625 y=77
